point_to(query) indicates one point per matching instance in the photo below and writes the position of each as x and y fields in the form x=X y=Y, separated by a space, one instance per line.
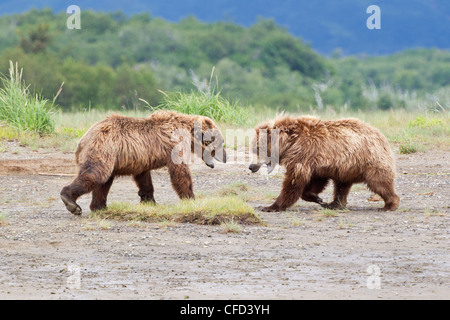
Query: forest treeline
x=118 y=61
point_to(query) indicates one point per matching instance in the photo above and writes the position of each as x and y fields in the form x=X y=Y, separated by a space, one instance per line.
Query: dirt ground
x=304 y=253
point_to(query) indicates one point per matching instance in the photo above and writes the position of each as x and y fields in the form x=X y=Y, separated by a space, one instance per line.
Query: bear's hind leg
x=100 y=194
x=69 y=194
x=313 y=189
x=291 y=191
x=145 y=185
x=341 y=191
x=385 y=189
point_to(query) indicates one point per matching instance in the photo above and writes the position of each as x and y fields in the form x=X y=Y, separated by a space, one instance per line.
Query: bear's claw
x=268 y=209
x=333 y=206
x=71 y=206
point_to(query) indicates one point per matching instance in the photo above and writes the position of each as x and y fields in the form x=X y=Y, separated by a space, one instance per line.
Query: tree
x=37 y=39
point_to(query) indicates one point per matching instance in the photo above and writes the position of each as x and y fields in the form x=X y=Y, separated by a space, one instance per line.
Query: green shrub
x=385 y=102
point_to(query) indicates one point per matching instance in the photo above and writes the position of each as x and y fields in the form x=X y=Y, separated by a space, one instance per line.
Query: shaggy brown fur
x=121 y=145
x=314 y=151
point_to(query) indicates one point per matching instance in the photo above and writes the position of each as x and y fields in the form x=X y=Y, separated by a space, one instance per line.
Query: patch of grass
x=270 y=195
x=417 y=132
x=245 y=192
x=296 y=222
x=328 y=212
x=3 y=219
x=426 y=122
x=432 y=212
x=7 y=133
x=98 y=222
x=207 y=101
x=344 y=224
x=234 y=189
x=211 y=211
x=104 y=224
x=73 y=132
x=407 y=148
x=64 y=139
x=21 y=109
x=231 y=227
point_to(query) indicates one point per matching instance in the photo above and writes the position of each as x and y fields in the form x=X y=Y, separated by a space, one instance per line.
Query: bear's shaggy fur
x=122 y=145
x=313 y=151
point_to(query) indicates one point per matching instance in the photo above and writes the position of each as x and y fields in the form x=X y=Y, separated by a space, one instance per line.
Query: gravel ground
x=304 y=253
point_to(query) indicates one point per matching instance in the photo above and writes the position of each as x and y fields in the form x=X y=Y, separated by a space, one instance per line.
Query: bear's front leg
x=291 y=191
x=272 y=208
x=181 y=179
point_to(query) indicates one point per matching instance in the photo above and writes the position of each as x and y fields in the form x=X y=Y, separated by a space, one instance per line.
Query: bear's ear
x=209 y=124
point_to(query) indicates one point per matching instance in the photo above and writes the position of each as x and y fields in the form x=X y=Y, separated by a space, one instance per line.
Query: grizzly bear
x=120 y=145
x=313 y=152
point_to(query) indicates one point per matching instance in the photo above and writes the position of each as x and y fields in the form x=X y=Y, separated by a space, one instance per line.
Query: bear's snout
x=254 y=167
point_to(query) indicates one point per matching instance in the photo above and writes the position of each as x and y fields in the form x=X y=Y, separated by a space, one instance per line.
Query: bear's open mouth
x=254 y=167
x=209 y=162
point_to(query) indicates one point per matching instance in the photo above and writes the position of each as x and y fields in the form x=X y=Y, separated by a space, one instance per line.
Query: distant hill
x=325 y=24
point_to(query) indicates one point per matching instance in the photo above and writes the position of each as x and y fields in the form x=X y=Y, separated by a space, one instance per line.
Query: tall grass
x=206 y=101
x=208 y=104
x=21 y=109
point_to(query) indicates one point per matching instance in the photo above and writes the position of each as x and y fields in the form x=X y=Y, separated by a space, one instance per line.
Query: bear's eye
x=207 y=142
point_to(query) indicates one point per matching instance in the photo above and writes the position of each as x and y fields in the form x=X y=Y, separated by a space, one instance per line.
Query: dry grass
x=231 y=227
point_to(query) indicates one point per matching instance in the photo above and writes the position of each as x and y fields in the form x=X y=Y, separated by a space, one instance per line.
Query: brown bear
x=313 y=151
x=122 y=145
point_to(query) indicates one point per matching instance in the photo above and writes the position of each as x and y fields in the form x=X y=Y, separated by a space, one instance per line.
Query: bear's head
x=208 y=141
x=265 y=147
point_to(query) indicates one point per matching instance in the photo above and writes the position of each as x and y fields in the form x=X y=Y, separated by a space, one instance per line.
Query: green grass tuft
x=211 y=211
x=3 y=219
x=22 y=110
x=407 y=148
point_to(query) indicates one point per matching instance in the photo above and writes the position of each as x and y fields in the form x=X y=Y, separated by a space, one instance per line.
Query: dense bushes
x=113 y=61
